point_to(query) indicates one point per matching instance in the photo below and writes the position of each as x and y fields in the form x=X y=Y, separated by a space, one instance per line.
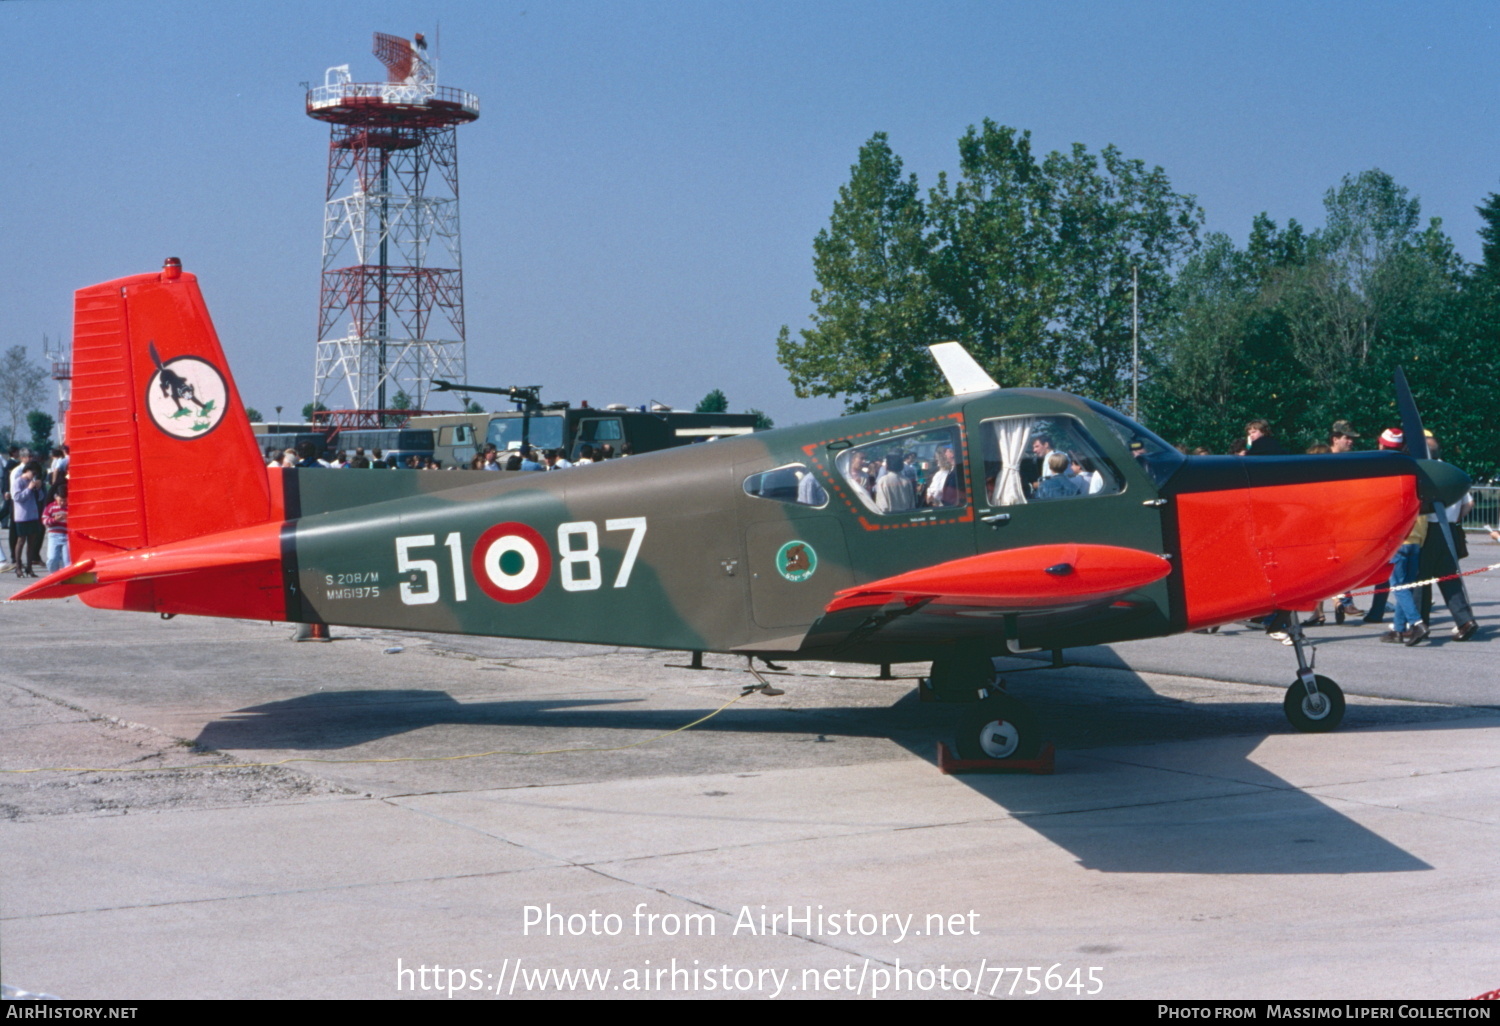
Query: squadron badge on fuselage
x=796 y=561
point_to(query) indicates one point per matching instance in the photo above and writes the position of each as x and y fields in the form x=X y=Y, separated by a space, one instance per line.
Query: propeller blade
x=1446 y=530
x=1411 y=420
x=1444 y=482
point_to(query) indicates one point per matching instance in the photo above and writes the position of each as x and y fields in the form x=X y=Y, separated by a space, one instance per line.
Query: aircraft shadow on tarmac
x=1131 y=817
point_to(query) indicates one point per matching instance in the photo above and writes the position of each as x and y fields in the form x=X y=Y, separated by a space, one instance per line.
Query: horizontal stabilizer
x=1030 y=579
x=211 y=554
x=962 y=371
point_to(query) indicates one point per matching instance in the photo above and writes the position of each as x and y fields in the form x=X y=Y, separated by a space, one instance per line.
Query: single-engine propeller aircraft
x=950 y=531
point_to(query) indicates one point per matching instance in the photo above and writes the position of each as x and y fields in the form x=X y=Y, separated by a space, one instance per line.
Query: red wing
x=1031 y=579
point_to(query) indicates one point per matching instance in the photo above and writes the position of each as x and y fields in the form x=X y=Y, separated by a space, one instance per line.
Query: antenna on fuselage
x=962 y=371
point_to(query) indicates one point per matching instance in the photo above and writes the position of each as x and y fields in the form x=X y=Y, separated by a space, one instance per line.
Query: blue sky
x=640 y=195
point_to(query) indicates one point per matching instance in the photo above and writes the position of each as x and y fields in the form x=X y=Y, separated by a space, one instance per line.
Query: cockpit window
x=1159 y=459
x=1040 y=458
x=791 y=483
x=900 y=474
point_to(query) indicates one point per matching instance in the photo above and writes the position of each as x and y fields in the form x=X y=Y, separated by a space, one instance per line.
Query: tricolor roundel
x=511 y=562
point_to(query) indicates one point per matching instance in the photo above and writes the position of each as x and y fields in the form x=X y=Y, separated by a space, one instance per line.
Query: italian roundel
x=511 y=562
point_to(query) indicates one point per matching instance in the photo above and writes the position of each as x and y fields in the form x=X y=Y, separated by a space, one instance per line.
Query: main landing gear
x=998 y=726
x=993 y=725
x=1313 y=704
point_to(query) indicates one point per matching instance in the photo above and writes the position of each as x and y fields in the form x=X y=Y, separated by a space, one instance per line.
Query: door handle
x=996 y=519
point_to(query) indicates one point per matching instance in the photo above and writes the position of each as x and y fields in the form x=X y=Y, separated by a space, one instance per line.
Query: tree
x=254 y=415
x=1304 y=329
x=400 y=401
x=993 y=269
x=473 y=407
x=41 y=425
x=20 y=386
x=874 y=312
x=310 y=409
x=714 y=402
x=762 y=422
x=1489 y=234
x=1027 y=263
x=1117 y=227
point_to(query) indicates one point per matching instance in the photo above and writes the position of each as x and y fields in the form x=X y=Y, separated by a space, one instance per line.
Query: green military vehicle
x=459 y=437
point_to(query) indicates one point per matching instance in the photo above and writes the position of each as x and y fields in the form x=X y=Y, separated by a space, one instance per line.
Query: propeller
x=1445 y=484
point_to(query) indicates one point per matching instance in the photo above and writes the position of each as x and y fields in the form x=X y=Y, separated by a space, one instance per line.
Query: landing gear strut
x=1313 y=704
x=959 y=678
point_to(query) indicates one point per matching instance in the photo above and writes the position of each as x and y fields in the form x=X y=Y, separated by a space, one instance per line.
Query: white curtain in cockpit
x=1011 y=434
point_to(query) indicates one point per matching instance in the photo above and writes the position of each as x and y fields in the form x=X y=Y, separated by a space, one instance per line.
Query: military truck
x=459 y=437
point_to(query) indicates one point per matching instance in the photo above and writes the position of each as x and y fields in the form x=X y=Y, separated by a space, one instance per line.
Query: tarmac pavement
x=1190 y=844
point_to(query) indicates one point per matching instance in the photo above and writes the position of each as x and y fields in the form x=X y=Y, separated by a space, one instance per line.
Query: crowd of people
x=490 y=458
x=1424 y=555
x=34 y=511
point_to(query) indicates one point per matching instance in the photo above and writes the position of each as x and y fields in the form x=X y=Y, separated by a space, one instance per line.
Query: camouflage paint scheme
x=705 y=576
x=670 y=550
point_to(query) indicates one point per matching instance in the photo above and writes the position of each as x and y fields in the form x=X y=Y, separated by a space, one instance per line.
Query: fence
x=1486 y=511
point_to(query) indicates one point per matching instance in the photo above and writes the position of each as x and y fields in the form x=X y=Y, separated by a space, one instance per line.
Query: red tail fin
x=170 y=509
x=161 y=447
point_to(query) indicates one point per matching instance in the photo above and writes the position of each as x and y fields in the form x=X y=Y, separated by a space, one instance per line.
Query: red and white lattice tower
x=391 y=316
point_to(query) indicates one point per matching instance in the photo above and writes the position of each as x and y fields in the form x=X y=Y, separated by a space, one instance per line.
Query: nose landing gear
x=1313 y=704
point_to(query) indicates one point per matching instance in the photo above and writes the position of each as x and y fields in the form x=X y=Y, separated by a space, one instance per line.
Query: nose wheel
x=1314 y=711
x=1313 y=704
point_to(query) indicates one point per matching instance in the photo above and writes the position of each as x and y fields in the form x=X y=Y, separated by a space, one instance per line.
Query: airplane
x=998 y=521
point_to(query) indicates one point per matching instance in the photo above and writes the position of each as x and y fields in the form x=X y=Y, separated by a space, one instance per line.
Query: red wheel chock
x=1044 y=763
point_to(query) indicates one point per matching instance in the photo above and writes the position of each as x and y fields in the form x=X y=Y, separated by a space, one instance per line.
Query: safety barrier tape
x=1430 y=580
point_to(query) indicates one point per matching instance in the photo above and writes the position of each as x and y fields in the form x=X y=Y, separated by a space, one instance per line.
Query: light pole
x=1135 y=343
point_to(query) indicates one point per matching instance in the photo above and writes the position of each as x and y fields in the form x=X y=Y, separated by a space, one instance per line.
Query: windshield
x=546 y=432
x=1159 y=459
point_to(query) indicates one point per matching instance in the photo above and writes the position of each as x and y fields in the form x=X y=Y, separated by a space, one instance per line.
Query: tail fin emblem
x=186 y=397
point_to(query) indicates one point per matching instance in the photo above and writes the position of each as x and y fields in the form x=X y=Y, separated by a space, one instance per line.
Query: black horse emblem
x=174 y=386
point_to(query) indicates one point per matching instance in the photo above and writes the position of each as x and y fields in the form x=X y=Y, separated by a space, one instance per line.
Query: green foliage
x=1026 y=262
x=1489 y=237
x=20 y=386
x=473 y=407
x=254 y=415
x=41 y=425
x=762 y=422
x=401 y=401
x=714 y=402
x=874 y=310
x=1305 y=329
x=311 y=408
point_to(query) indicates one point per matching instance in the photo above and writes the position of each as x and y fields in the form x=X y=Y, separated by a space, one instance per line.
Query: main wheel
x=999 y=727
x=959 y=678
x=1314 y=714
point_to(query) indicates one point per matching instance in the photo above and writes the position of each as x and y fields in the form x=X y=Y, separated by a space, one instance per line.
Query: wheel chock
x=1043 y=764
